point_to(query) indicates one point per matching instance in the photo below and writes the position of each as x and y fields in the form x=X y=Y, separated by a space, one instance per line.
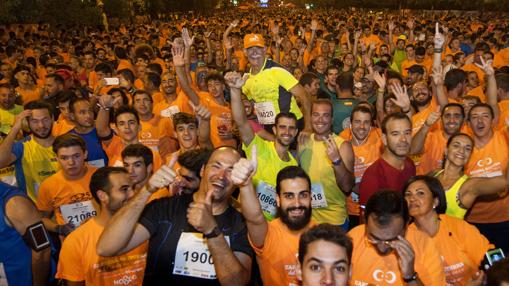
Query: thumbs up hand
x=245 y=169
x=199 y=214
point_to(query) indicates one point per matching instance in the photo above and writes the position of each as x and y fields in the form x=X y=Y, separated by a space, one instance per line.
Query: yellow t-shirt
x=329 y=201
x=7 y=118
x=34 y=163
x=265 y=178
x=271 y=85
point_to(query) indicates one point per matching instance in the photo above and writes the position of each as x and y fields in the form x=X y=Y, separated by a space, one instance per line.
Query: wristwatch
x=214 y=233
x=336 y=162
x=411 y=278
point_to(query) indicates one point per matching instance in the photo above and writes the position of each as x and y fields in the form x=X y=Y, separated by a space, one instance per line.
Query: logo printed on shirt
x=485 y=162
x=389 y=276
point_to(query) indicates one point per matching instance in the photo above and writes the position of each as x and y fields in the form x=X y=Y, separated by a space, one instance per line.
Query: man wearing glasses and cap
x=273 y=88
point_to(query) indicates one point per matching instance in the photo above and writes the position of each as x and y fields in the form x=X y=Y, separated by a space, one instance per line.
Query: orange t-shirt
x=125 y=64
x=157 y=97
x=490 y=161
x=180 y=104
x=370 y=268
x=92 y=80
x=420 y=117
x=503 y=106
x=433 y=153
x=138 y=84
x=56 y=191
x=114 y=152
x=277 y=257
x=153 y=130
x=479 y=92
x=29 y=95
x=365 y=155
x=62 y=126
x=501 y=58
x=79 y=260
x=461 y=257
x=221 y=122
x=476 y=69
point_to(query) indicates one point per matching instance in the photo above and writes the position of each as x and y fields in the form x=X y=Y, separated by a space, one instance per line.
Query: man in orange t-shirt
x=276 y=242
x=430 y=145
x=489 y=158
x=127 y=127
x=79 y=262
x=138 y=160
x=173 y=102
x=65 y=193
x=156 y=131
x=387 y=252
x=367 y=146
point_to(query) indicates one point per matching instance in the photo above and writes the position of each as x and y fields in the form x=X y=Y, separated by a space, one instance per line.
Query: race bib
x=170 y=111
x=3 y=276
x=193 y=257
x=265 y=112
x=77 y=213
x=318 y=200
x=99 y=163
x=267 y=197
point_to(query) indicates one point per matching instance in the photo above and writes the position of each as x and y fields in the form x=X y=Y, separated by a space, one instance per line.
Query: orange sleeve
x=70 y=265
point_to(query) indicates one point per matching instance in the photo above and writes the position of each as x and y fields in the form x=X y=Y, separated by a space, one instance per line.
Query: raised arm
x=417 y=146
x=242 y=174
x=235 y=82
x=6 y=155
x=342 y=159
x=478 y=187
x=203 y=115
x=102 y=122
x=123 y=232
x=178 y=53
x=491 y=86
x=304 y=102
x=314 y=26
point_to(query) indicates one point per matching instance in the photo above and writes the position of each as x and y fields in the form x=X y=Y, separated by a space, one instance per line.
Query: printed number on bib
x=193 y=257
x=267 y=197
x=265 y=112
x=76 y=213
x=318 y=200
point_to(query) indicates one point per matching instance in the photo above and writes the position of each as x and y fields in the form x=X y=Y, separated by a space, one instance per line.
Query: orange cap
x=253 y=40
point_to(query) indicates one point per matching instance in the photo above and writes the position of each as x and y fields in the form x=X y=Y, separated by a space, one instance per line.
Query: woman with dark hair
x=461 y=245
x=461 y=191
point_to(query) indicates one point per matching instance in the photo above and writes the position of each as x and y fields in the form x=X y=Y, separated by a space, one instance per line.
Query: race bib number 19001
x=193 y=257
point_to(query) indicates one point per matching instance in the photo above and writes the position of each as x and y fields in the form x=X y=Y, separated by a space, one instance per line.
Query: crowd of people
x=264 y=147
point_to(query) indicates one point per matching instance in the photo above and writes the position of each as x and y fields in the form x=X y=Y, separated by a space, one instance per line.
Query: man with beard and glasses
x=393 y=168
x=79 y=264
x=329 y=161
x=33 y=157
x=172 y=101
x=187 y=234
x=367 y=146
x=387 y=252
x=276 y=243
x=273 y=156
x=430 y=144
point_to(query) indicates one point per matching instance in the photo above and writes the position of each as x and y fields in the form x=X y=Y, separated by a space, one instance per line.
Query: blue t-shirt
x=96 y=155
x=15 y=255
